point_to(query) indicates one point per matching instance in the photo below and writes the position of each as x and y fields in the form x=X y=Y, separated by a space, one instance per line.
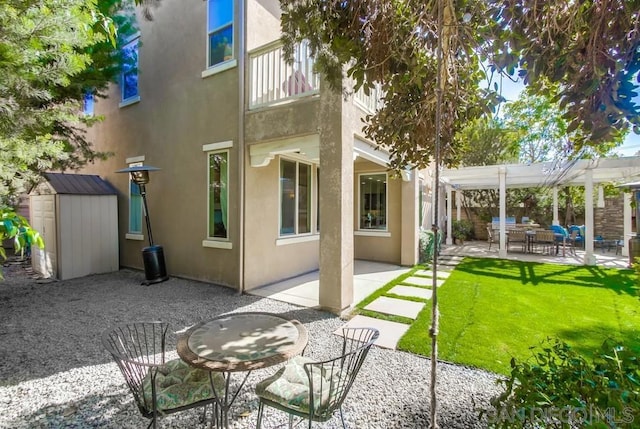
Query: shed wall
x=87 y=235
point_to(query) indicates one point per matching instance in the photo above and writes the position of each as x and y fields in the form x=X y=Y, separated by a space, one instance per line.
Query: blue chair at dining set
x=572 y=237
x=577 y=235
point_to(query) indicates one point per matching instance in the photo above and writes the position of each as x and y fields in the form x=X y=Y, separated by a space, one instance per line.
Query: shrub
x=427 y=245
x=558 y=388
x=462 y=229
x=16 y=228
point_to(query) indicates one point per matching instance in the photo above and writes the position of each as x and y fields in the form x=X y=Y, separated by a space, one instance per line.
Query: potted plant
x=461 y=230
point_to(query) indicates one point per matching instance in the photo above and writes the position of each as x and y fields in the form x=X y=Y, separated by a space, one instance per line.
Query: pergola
x=584 y=172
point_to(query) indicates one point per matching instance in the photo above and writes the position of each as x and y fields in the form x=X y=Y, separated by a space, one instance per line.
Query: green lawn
x=493 y=309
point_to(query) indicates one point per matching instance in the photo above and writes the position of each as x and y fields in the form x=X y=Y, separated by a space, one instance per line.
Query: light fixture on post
x=153 y=256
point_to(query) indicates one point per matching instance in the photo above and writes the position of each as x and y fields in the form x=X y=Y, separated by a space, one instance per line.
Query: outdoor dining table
x=239 y=342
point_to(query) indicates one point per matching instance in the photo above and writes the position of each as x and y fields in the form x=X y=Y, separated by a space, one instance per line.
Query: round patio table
x=240 y=342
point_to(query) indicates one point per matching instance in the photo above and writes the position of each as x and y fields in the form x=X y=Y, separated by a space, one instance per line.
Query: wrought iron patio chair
x=490 y=238
x=158 y=386
x=316 y=390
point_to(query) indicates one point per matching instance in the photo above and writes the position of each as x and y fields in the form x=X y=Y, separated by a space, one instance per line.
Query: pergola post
x=589 y=257
x=449 y=222
x=627 y=231
x=555 y=220
x=502 y=173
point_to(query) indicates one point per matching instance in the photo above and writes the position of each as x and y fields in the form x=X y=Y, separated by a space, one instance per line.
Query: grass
x=494 y=309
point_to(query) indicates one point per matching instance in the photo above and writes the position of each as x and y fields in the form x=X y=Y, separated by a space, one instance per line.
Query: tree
x=425 y=54
x=539 y=127
x=589 y=48
x=51 y=53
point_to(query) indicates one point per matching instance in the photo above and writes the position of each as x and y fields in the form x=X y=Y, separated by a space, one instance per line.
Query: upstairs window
x=129 y=75
x=219 y=31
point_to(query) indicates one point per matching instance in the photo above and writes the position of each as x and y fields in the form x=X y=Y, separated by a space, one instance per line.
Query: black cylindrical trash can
x=154 y=268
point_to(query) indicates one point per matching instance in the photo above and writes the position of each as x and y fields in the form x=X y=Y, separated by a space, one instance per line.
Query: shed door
x=43 y=220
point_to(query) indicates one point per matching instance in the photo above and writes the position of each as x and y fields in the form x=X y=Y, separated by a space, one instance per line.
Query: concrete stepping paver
x=396 y=307
x=417 y=292
x=429 y=273
x=457 y=258
x=390 y=332
x=422 y=281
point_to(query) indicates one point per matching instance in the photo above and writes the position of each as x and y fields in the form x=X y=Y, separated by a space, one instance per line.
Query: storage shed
x=77 y=216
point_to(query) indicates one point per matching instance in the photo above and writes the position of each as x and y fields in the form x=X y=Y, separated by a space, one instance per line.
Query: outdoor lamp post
x=153 y=256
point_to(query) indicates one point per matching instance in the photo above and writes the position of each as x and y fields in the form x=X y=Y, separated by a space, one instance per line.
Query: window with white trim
x=218 y=195
x=373 y=201
x=135 y=205
x=295 y=198
x=129 y=75
x=219 y=31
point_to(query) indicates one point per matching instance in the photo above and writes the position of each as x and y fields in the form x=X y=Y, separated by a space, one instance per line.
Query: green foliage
x=428 y=244
x=487 y=141
x=636 y=269
x=462 y=229
x=589 y=48
x=51 y=53
x=394 y=43
x=16 y=228
x=559 y=388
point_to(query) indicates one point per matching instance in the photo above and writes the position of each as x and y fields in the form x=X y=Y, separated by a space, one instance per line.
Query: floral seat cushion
x=289 y=387
x=178 y=385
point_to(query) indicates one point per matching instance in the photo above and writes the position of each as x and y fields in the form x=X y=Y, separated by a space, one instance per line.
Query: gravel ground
x=54 y=372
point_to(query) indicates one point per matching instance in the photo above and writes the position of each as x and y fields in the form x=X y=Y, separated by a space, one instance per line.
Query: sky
x=511 y=90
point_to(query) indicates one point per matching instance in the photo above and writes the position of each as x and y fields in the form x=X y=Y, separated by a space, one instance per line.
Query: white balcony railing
x=370 y=103
x=272 y=80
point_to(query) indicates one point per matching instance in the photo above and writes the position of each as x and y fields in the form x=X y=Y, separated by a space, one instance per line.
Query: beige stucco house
x=265 y=172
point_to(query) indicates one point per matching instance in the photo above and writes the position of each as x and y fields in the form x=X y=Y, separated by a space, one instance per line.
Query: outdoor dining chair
x=316 y=390
x=546 y=239
x=158 y=386
x=517 y=236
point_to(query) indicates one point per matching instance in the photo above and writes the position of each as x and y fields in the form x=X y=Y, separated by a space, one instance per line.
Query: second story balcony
x=273 y=81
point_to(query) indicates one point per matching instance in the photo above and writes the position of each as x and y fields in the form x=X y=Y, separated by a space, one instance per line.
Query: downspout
x=242 y=83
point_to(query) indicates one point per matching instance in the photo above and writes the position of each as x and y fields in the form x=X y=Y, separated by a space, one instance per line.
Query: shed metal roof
x=79 y=184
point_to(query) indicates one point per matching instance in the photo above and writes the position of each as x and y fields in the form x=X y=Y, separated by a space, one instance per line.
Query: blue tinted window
x=221 y=46
x=220 y=13
x=129 y=78
x=87 y=104
x=220 y=31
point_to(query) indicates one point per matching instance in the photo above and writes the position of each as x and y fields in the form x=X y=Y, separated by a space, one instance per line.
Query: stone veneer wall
x=608 y=221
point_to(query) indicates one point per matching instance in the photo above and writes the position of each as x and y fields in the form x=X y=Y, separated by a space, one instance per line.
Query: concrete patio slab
x=422 y=281
x=396 y=307
x=417 y=292
x=390 y=332
x=304 y=290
